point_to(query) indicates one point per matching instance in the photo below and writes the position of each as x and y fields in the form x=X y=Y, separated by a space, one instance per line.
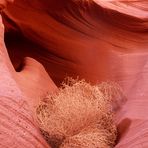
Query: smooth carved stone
x=3 y=3
x=96 y=40
x=19 y=94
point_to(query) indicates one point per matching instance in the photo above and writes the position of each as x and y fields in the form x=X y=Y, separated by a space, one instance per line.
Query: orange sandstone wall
x=96 y=40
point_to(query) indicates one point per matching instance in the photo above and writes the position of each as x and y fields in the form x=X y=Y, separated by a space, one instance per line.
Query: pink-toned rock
x=19 y=94
x=96 y=40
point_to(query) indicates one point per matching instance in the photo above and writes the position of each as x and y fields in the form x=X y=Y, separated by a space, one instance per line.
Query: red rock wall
x=96 y=40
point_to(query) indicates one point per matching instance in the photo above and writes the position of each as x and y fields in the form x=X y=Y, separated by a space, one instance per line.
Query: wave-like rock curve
x=93 y=39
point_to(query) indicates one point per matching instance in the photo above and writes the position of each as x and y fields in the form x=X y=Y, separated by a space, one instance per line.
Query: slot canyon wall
x=98 y=40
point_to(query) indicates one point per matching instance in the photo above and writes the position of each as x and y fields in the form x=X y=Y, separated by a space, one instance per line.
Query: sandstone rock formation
x=96 y=40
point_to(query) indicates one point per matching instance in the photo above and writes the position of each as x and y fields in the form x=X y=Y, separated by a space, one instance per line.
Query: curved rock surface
x=96 y=40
